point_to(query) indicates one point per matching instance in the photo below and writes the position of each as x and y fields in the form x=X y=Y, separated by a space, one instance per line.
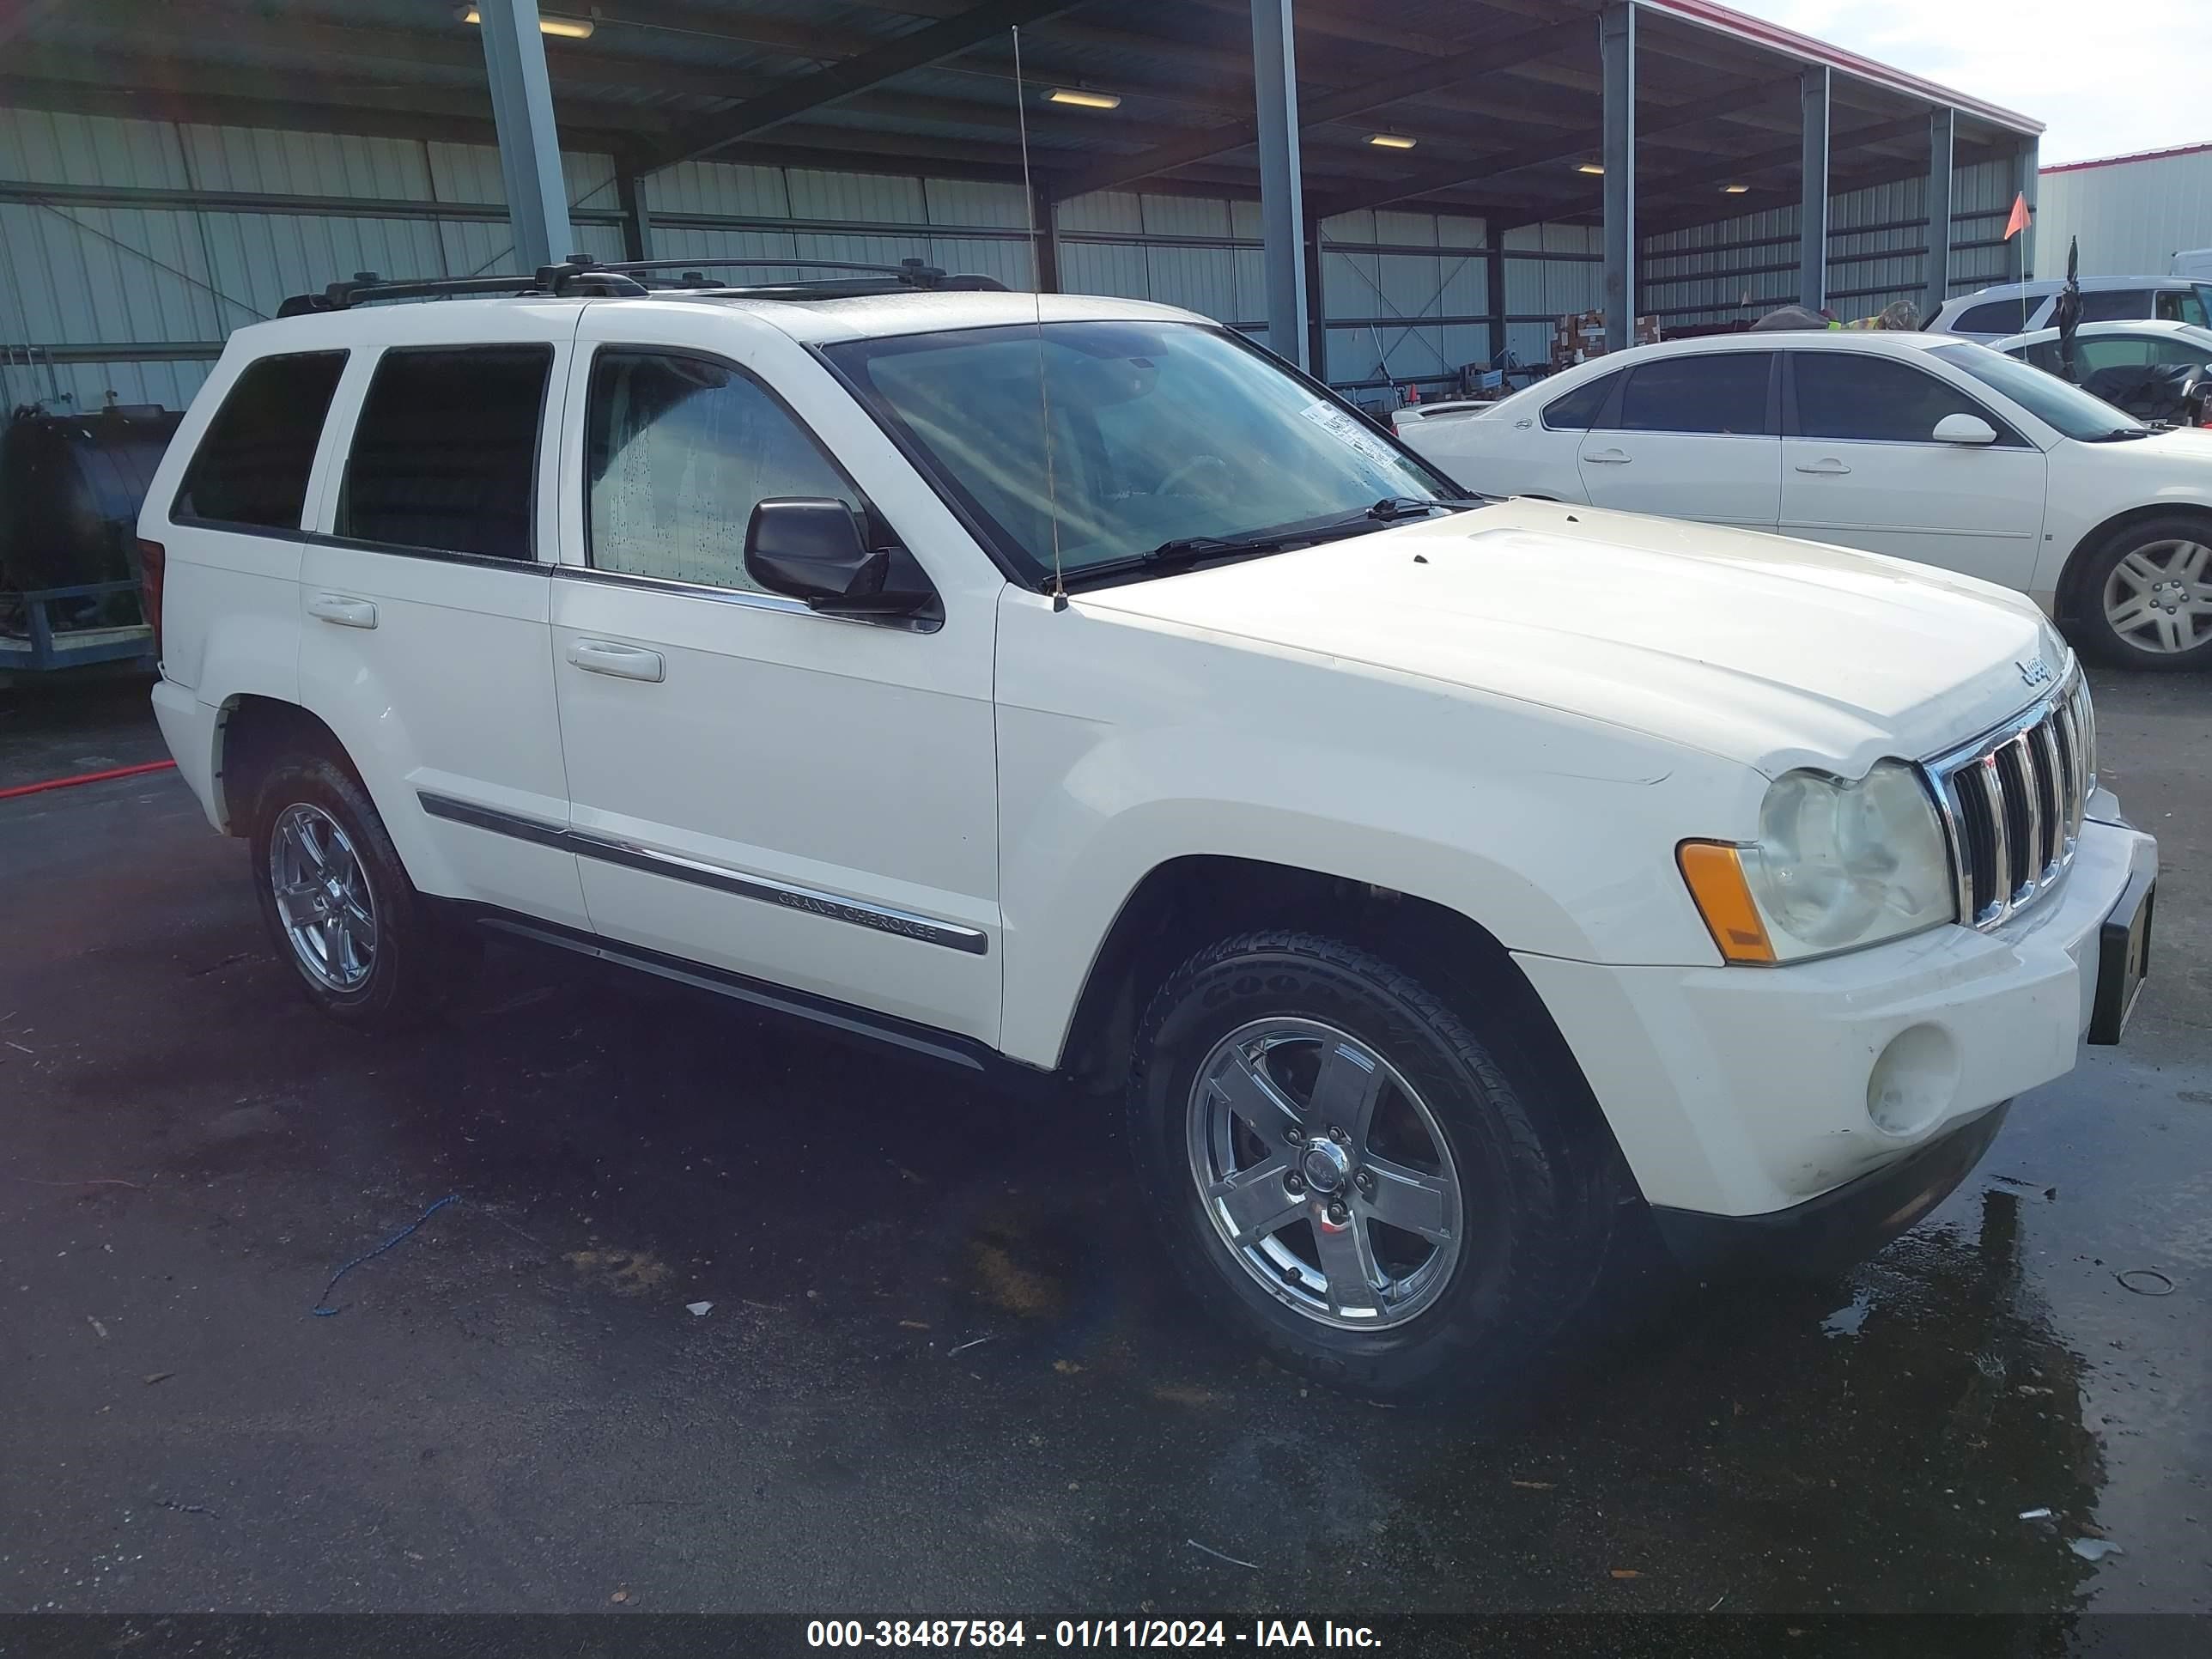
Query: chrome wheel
x=323 y=897
x=1325 y=1173
x=2158 y=597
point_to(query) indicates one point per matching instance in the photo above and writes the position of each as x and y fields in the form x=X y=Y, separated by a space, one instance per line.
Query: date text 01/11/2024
x=1084 y=1633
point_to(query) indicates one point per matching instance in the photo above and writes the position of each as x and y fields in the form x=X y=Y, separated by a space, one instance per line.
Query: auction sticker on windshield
x=1347 y=427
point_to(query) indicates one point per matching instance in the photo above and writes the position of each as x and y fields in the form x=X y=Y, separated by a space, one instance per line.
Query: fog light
x=1913 y=1081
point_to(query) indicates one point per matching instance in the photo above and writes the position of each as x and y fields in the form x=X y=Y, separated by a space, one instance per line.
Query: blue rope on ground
x=322 y=1309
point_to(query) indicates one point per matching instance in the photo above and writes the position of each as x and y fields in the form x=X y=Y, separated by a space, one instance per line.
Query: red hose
x=45 y=784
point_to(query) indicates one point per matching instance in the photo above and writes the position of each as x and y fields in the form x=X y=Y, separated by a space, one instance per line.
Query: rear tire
x=2142 y=598
x=1425 y=1250
x=364 y=945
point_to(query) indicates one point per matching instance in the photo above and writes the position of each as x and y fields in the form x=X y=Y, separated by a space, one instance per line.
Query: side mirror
x=1965 y=429
x=817 y=550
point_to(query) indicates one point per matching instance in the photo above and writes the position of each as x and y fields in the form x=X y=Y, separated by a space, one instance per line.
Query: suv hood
x=1772 y=652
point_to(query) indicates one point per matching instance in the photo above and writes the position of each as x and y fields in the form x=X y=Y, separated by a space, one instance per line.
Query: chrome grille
x=2012 y=802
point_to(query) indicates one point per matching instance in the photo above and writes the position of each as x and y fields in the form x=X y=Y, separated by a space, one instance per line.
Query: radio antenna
x=1036 y=266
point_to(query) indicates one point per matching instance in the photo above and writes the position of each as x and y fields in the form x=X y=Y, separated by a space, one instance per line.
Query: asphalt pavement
x=941 y=1368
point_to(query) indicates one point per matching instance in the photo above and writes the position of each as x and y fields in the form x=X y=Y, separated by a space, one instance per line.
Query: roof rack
x=581 y=274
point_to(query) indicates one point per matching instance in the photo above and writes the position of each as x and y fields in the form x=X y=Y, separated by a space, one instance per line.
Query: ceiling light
x=1591 y=168
x=569 y=29
x=1083 y=99
x=1391 y=140
x=1735 y=190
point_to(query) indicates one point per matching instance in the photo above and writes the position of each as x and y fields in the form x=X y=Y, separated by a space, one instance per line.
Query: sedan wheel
x=2157 y=597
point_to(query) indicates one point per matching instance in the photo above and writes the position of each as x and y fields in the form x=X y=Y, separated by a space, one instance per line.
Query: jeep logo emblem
x=2034 y=671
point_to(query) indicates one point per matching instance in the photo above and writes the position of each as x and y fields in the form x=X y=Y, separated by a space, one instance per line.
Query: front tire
x=360 y=939
x=2144 y=599
x=1345 y=1171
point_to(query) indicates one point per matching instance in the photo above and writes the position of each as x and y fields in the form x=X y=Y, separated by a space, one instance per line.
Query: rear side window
x=445 y=454
x=1844 y=394
x=1580 y=409
x=2116 y=305
x=1996 y=316
x=677 y=451
x=251 y=466
x=1723 y=393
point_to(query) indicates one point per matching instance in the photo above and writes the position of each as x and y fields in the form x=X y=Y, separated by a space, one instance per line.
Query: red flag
x=2019 y=221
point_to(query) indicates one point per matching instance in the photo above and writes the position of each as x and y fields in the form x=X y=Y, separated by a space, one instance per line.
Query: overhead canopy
x=1499 y=99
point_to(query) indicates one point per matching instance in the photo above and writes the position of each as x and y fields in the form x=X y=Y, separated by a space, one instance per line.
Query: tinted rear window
x=1997 y=316
x=444 y=455
x=1724 y=393
x=2116 y=305
x=1579 y=409
x=251 y=466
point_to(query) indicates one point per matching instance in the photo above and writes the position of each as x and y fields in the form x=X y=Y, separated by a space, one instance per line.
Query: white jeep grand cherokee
x=1068 y=690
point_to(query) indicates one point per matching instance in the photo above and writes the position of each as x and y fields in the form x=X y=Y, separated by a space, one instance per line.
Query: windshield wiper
x=1392 y=508
x=1183 y=552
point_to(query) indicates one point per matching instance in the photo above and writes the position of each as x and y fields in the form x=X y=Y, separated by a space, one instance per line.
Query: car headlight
x=1838 y=864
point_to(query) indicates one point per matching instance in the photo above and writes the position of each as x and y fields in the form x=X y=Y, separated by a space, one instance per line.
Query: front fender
x=1555 y=833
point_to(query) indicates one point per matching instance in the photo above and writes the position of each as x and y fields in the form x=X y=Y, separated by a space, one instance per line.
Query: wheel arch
x=2067 y=596
x=252 y=733
x=1186 y=903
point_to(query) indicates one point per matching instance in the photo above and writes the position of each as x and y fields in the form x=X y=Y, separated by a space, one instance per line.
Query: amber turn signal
x=1714 y=871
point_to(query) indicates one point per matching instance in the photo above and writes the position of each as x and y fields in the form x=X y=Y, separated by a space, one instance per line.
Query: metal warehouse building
x=1387 y=193
x=2131 y=213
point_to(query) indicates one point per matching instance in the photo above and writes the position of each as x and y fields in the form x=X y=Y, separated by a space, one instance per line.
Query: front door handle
x=624 y=662
x=1609 y=457
x=345 y=612
x=1826 y=468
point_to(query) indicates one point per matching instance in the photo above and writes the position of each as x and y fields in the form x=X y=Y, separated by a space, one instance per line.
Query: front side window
x=1721 y=393
x=1160 y=433
x=2113 y=351
x=1582 y=408
x=1869 y=399
x=677 y=451
x=252 y=467
x=2182 y=305
x=445 y=454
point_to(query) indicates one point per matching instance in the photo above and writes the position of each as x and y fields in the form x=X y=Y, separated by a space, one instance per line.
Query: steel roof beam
x=1461 y=175
x=1489 y=57
x=855 y=76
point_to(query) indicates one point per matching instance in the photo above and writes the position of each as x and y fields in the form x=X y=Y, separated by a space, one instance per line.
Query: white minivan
x=2006 y=308
x=1066 y=691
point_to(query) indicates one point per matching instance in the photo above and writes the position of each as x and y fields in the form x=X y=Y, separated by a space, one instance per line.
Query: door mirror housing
x=1971 y=429
x=817 y=550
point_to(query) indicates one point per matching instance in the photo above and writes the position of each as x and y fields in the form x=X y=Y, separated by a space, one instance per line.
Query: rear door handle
x=345 y=612
x=624 y=662
x=1609 y=457
x=1827 y=469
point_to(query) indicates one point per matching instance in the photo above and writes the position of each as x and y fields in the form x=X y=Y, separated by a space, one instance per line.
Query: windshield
x=1161 y=432
x=2055 y=402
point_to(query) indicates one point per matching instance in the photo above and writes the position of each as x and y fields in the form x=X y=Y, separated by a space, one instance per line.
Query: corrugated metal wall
x=130 y=249
x=717 y=210
x=2132 y=216
x=1737 y=269
x=1406 y=294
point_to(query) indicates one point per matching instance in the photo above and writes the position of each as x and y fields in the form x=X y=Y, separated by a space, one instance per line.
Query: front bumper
x=1840 y=1227
x=1745 y=1092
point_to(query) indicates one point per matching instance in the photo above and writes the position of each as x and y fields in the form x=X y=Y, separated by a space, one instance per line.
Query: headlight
x=1837 y=866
